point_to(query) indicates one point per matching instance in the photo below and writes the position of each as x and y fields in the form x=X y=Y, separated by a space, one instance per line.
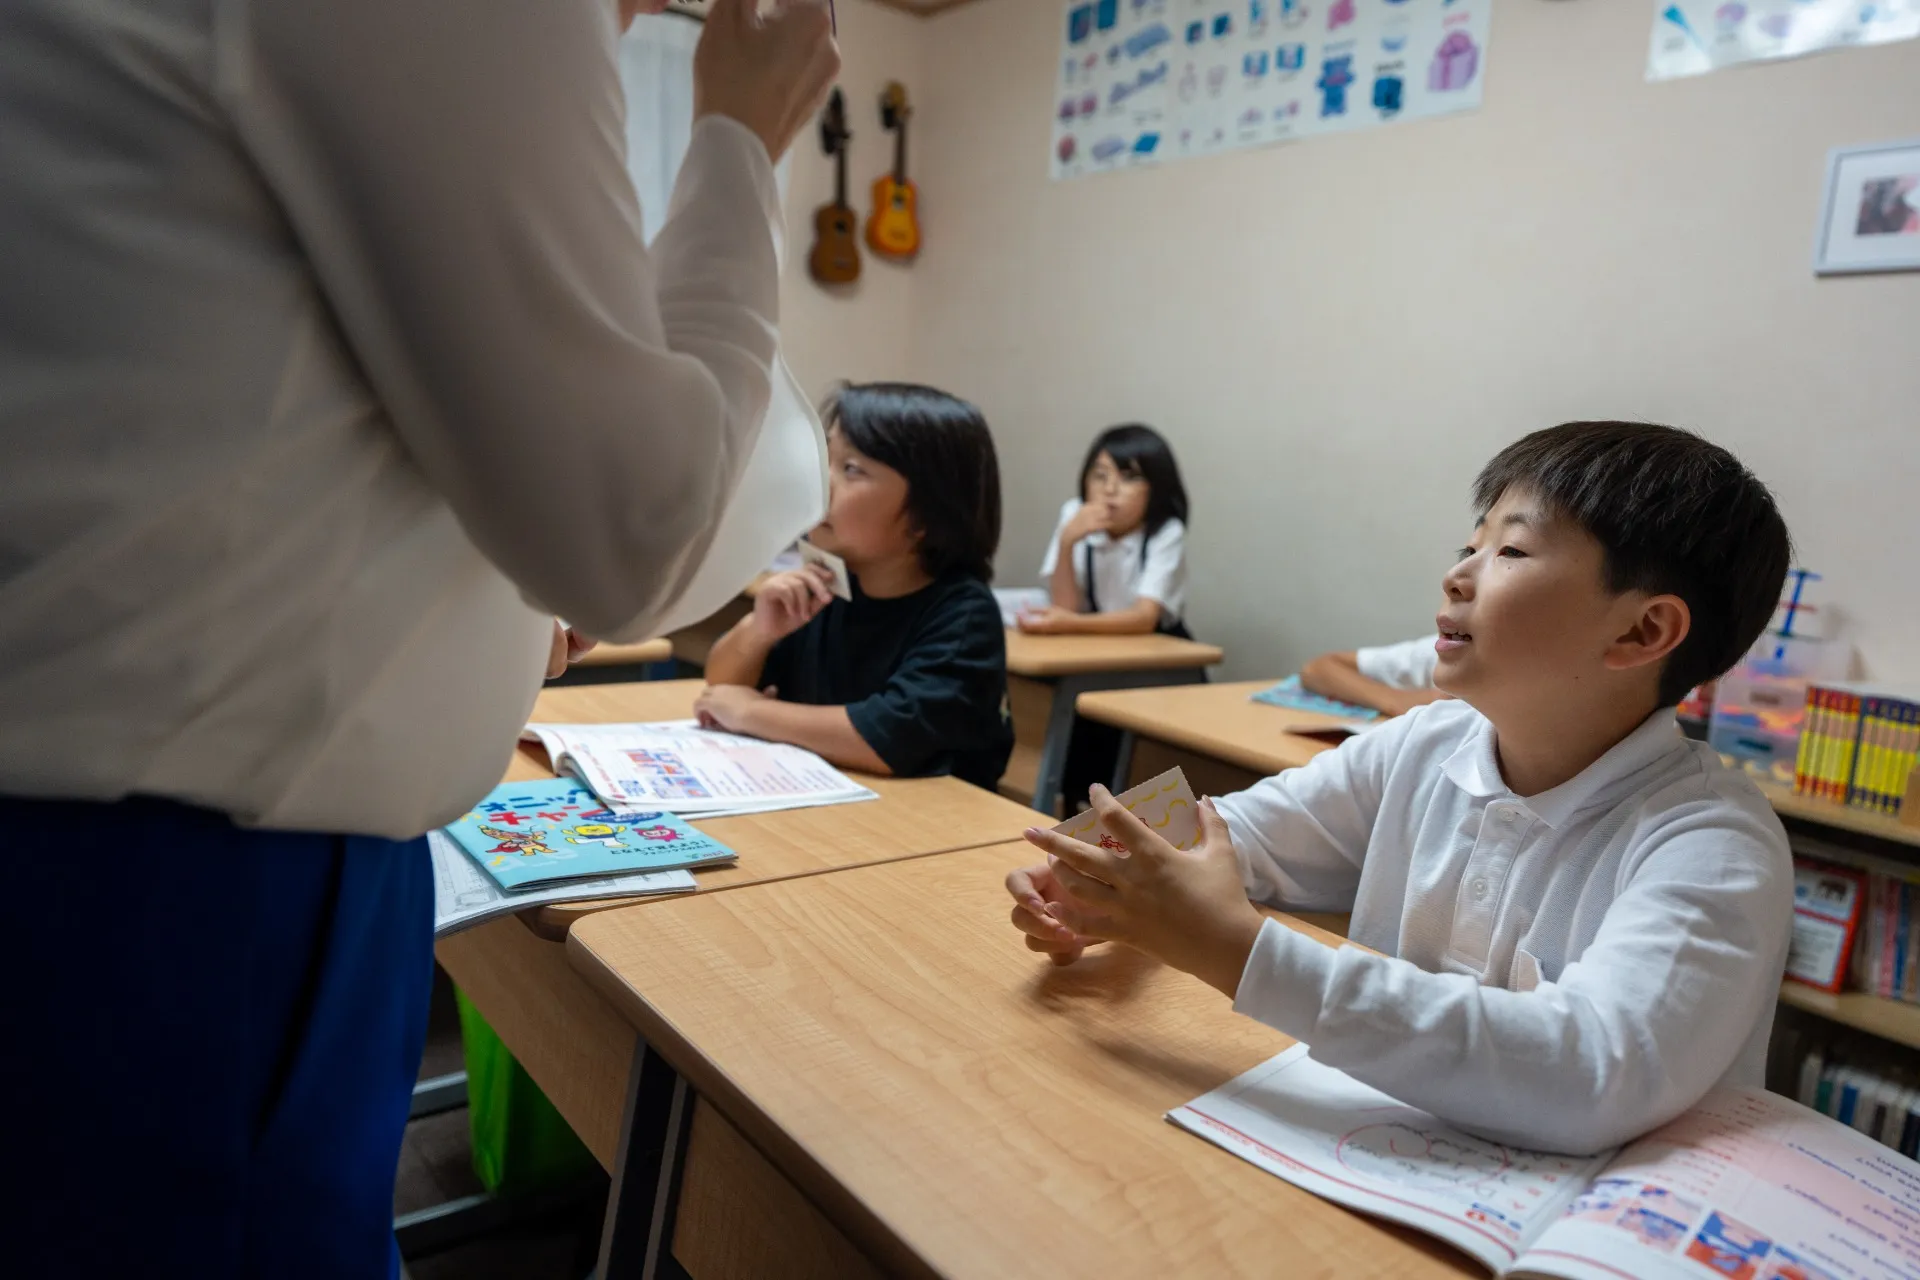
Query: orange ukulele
x=836 y=227
x=894 y=229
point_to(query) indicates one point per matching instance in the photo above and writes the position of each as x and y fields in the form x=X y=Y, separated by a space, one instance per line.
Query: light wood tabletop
x=912 y=818
x=1048 y=657
x=642 y=653
x=1218 y=720
x=954 y=1104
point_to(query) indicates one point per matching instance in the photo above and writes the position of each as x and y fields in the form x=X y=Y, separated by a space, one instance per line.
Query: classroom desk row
x=1045 y=677
x=836 y=1060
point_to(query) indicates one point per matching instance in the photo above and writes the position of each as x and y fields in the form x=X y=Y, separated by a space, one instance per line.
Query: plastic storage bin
x=1758 y=707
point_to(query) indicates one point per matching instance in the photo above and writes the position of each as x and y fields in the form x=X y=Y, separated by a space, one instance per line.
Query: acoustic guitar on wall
x=894 y=229
x=836 y=227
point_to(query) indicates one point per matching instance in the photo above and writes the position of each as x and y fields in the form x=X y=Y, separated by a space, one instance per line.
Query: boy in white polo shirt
x=1580 y=917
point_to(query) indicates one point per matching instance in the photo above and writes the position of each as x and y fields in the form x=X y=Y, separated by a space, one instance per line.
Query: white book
x=465 y=896
x=1747 y=1184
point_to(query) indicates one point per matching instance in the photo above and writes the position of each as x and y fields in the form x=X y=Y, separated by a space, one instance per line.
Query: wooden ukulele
x=894 y=229
x=836 y=227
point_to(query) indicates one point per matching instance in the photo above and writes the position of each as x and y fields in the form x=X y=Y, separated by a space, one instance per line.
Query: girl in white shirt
x=1117 y=562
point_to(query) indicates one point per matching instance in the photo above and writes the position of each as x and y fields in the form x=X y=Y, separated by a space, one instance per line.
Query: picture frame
x=1870 y=210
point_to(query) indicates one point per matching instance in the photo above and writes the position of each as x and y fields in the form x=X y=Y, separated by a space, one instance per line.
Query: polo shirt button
x=1480 y=889
x=1506 y=815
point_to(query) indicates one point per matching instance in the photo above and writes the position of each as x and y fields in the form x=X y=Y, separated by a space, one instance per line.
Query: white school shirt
x=1121 y=573
x=1409 y=664
x=1564 y=971
x=332 y=364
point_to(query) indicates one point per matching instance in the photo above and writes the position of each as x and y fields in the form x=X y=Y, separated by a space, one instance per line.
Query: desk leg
x=1066 y=693
x=636 y=1242
x=1052 y=771
x=1123 y=764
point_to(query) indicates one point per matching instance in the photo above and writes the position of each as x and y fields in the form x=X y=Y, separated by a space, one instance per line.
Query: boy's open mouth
x=1451 y=638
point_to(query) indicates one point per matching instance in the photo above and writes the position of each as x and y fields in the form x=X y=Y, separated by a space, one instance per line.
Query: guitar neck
x=900 y=154
x=840 y=176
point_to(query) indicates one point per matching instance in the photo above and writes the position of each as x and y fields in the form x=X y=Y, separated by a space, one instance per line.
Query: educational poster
x=1147 y=81
x=1693 y=37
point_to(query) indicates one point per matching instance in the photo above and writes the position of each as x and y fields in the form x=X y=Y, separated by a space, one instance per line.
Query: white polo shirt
x=1407 y=665
x=1566 y=971
x=332 y=365
x=1125 y=569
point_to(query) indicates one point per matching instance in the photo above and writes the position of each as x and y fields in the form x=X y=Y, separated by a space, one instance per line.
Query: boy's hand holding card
x=1150 y=868
x=832 y=563
x=1165 y=804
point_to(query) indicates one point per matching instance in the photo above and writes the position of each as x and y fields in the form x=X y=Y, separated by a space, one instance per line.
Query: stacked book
x=1886 y=953
x=1878 y=1100
x=1858 y=746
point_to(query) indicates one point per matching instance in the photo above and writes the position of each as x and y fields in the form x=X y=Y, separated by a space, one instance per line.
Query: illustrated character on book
x=662 y=833
x=524 y=843
x=598 y=833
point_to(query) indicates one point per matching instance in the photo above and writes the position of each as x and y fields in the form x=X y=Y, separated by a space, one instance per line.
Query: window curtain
x=656 y=70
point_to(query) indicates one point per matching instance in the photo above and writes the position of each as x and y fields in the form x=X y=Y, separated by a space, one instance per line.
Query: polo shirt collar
x=1474 y=767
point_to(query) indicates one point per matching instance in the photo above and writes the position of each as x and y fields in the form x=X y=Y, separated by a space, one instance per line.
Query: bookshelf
x=1888 y=1019
x=1827 y=814
x=1891 y=1020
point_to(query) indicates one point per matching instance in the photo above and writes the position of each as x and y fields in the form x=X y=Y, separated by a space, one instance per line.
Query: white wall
x=1336 y=334
x=861 y=333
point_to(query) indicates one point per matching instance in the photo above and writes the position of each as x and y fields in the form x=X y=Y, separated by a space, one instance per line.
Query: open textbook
x=465 y=896
x=693 y=772
x=1746 y=1186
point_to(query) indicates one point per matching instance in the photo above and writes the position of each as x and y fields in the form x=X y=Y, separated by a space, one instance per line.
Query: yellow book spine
x=1849 y=746
x=1803 y=758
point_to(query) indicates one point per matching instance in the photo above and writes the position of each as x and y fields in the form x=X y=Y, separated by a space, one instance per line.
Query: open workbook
x=696 y=773
x=1746 y=1186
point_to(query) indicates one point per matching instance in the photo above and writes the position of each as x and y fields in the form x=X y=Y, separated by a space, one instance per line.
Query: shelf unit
x=1889 y=1019
x=1892 y=1020
x=1825 y=813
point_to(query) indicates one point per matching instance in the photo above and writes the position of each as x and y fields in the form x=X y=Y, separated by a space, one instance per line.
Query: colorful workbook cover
x=1290 y=693
x=530 y=834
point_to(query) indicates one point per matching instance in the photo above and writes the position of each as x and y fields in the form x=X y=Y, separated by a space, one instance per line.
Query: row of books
x=1877 y=1100
x=1858 y=746
x=1856 y=922
x=1886 y=953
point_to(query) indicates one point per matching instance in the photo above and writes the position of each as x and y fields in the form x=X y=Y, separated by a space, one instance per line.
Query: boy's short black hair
x=1676 y=515
x=1139 y=450
x=942 y=446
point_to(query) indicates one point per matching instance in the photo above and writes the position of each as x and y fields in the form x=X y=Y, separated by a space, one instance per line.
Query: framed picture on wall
x=1870 y=215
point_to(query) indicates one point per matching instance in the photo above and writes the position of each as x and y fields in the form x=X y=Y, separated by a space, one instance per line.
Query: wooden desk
x=912 y=818
x=879 y=1044
x=645 y=653
x=1045 y=674
x=1223 y=738
x=615 y=663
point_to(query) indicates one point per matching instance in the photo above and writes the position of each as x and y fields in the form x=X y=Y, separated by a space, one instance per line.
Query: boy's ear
x=1656 y=630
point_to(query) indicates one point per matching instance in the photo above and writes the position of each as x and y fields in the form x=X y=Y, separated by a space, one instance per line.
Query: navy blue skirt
x=213 y=1035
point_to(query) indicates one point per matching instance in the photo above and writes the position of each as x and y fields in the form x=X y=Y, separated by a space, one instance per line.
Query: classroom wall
x=860 y=333
x=1337 y=333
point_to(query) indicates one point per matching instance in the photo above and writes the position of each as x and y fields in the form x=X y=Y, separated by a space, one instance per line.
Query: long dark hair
x=1139 y=450
x=942 y=446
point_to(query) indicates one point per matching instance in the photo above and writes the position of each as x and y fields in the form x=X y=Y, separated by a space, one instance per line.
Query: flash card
x=1164 y=803
x=834 y=565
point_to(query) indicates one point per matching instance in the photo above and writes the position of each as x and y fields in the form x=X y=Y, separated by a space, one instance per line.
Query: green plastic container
x=520 y=1142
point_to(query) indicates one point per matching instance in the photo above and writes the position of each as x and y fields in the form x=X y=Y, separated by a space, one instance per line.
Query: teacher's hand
x=771 y=72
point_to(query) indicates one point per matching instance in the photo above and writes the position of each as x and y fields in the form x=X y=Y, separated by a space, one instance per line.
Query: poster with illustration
x=1142 y=82
x=1693 y=37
